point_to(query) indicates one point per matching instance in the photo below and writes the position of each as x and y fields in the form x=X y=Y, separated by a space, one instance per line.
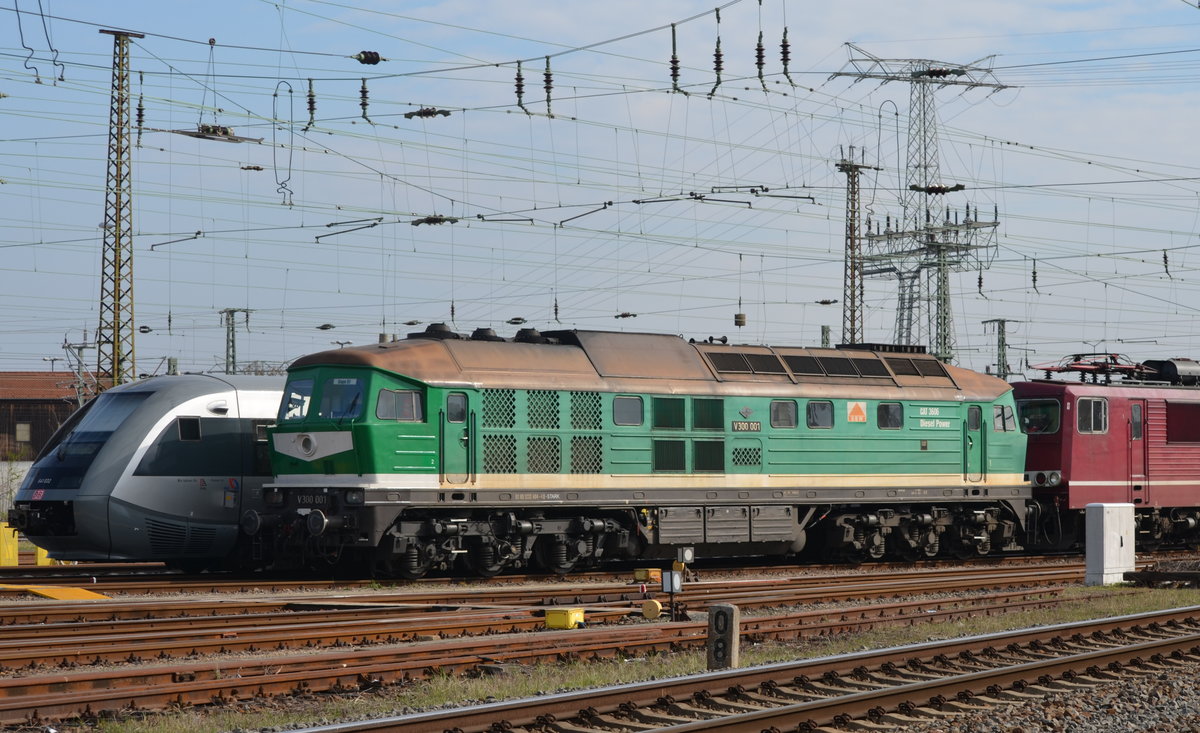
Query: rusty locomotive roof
x=660 y=363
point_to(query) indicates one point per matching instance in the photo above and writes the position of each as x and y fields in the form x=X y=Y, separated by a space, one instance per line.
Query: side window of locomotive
x=402 y=405
x=890 y=415
x=1003 y=420
x=974 y=418
x=1135 y=422
x=783 y=414
x=189 y=428
x=1092 y=414
x=1038 y=416
x=341 y=398
x=668 y=412
x=627 y=411
x=296 y=398
x=456 y=407
x=820 y=414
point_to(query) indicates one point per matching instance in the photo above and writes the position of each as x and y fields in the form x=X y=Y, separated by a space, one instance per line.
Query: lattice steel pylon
x=114 y=339
x=925 y=242
x=852 y=269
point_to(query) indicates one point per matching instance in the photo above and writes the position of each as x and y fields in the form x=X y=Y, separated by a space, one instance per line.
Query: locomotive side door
x=973 y=447
x=1138 y=493
x=457 y=438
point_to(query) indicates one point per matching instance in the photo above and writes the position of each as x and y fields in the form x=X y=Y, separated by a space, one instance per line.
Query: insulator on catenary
x=1035 y=288
x=548 y=84
x=785 y=55
x=760 y=54
x=312 y=105
x=363 y=101
x=718 y=57
x=141 y=111
x=520 y=86
x=369 y=58
x=675 y=64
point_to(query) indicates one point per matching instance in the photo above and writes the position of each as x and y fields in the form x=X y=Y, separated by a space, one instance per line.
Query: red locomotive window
x=1038 y=416
x=1136 y=423
x=1092 y=414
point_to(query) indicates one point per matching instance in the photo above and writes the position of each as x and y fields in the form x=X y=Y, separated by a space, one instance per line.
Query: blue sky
x=1086 y=156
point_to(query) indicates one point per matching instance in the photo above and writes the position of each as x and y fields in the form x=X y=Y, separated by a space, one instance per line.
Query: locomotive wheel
x=413 y=564
x=483 y=560
x=555 y=557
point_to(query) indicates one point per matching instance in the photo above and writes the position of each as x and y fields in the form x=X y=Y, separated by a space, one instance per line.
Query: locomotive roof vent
x=436 y=331
x=1176 y=371
x=886 y=348
x=485 y=334
x=530 y=336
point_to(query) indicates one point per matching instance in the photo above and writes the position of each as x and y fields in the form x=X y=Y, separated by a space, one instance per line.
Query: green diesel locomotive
x=564 y=448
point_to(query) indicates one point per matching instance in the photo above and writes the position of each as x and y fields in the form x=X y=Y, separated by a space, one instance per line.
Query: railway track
x=354 y=645
x=885 y=689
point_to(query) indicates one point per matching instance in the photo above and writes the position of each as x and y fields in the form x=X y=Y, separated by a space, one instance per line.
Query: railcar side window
x=189 y=428
x=1092 y=414
x=627 y=411
x=820 y=414
x=1002 y=419
x=341 y=398
x=1038 y=416
x=296 y=398
x=783 y=414
x=1135 y=422
x=890 y=415
x=456 y=407
x=403 y=405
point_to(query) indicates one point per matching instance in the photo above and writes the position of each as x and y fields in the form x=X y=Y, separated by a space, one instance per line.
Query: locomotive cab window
x=296 y=398
x=819 y=414
x=1003 y=420
x=456 y=407
x=402 y=405
x=890 y=415
x=627 y=411
x=341 y=398
x=783 y=414
x=1039 y=416
x=1092 y=414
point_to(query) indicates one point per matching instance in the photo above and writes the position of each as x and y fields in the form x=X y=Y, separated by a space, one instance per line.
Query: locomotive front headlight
x=355 y=496
x=1054 y=479
x=1039 y=478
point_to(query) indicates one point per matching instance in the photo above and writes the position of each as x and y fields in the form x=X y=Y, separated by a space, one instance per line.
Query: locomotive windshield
x=1039 y=416
x=341 y=398
x=296 y=397
x=63 y=465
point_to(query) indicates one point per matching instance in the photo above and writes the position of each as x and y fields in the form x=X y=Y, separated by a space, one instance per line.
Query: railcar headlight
x=1054 y=479
x=355 y=496
x=1039 y=478
x=274 y=497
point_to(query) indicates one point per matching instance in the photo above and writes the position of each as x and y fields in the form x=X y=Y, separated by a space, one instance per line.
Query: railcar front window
x=341 y=398
x=296 y=398
x=1039 y=416
x=1092 y=415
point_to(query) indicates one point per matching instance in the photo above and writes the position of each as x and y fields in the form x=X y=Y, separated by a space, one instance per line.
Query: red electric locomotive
x=1123 y=433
